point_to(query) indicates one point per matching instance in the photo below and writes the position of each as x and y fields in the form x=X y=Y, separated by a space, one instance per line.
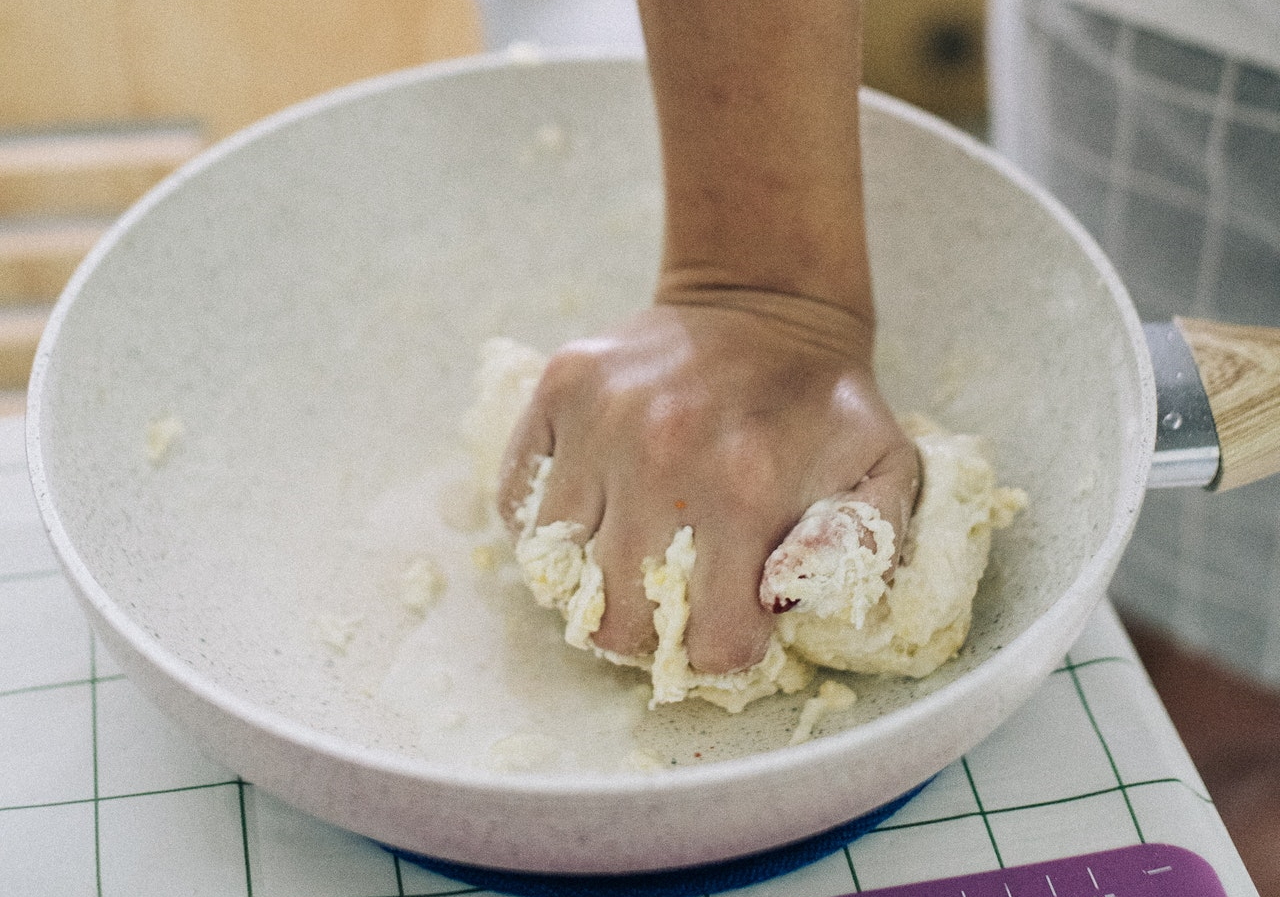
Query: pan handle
x=1240 y=369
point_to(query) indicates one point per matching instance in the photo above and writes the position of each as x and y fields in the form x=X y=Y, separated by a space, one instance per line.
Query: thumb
x=846 y=548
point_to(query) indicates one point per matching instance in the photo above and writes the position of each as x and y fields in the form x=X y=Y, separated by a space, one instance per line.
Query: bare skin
x=746 y=393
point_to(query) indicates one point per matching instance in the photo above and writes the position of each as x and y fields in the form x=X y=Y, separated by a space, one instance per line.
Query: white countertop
x=101 y=795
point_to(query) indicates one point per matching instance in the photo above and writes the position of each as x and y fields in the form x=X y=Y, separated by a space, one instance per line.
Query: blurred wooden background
x=104 y=97
x=931 y=54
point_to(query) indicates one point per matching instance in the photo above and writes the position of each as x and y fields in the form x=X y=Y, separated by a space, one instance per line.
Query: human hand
x=746 y=393
x=728 y=412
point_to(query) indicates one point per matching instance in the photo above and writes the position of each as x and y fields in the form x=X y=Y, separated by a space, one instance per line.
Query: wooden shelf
x=141 y=87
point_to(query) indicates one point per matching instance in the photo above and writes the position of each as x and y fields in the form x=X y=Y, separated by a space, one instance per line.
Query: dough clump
x=842 y=614
x=846 y=617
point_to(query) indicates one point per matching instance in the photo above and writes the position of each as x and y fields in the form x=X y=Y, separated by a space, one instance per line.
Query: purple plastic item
x=1144 y=870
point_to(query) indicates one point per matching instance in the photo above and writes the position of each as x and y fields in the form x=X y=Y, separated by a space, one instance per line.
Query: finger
x=812 y=568
x=531 y=439
x=626 y=538
x=728 y=629
x=572 y=492
x=892 y=487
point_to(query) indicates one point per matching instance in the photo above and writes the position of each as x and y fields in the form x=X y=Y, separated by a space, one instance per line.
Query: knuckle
x=753 y=471
x=566 y=370
x=670 y=431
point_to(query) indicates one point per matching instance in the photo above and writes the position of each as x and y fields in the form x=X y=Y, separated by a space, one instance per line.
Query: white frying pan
x=306 y=301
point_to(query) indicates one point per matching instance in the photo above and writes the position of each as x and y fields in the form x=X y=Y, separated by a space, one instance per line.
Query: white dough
x=422 y=584
x=509 y=375
x=844 y=614
x=162 y=435
x=922 y=619
x=832 y=696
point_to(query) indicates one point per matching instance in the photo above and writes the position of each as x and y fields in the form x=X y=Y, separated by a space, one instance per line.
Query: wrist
x=830 y=325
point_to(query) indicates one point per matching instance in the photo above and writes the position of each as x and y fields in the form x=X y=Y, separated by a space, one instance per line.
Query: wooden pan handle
x=1240 y=369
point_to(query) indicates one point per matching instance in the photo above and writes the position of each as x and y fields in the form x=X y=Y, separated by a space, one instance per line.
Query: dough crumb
x=645 y=760
x=523 y=752
x=422 y=583
x=448 y=719
x=338 y=631
x=550 y=138
x=832 y=697
x=162 y=434
x=490 y=558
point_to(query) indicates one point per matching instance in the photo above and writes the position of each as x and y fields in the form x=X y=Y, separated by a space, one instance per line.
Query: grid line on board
x=853 y=873
x=1111 y=760
x=29 y=575
x=1039 y=805
x=97 y=803
x=986 y=822
x=111 y=798
x=1110 y=658
x=55 y=686
x=244 y=838
x=395 y=863
x=1069 y=668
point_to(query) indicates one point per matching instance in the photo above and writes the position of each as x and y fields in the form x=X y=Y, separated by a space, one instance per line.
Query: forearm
x=758 y=107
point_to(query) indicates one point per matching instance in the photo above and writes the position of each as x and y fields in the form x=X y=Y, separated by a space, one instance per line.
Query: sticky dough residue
x=843 y=614
x=561 y=571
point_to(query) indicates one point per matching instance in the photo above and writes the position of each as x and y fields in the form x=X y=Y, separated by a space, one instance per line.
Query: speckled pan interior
x=308 y=299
